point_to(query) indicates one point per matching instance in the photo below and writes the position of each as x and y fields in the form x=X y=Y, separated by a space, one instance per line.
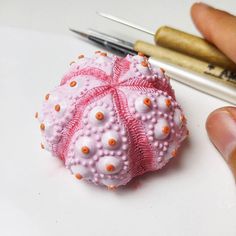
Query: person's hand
x=219 y=28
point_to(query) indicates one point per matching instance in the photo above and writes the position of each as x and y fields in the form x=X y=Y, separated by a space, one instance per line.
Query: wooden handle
x=184 y=61
x=193 y=46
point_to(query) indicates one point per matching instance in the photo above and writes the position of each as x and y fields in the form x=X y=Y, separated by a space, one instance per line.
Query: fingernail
x=221 y=128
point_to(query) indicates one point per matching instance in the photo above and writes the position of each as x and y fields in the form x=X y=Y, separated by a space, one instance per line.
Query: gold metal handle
x=193 y=46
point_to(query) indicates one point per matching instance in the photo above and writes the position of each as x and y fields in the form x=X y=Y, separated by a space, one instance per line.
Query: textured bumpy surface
x=112 y=119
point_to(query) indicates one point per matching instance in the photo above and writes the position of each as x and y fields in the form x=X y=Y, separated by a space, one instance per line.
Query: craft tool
x=208 y=82
x=182 y=42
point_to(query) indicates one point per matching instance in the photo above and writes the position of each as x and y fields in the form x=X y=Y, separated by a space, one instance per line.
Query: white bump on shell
x=80 y=83
x=158 y=129
x=84 y=141
x=110 y=182
x=140 y=106
x=144 y=70
x=53 y=99
x=170 y=150
x=137 y=58
x=177 y=117
x=94 y=111
x=161 y=101
x=49 y=129
x=62 y=109
x=109 y=160
x=111 y=135
x=83 y=171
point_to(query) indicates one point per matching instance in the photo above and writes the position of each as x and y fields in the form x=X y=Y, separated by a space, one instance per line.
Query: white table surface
x=57 y=15
x=194 y=195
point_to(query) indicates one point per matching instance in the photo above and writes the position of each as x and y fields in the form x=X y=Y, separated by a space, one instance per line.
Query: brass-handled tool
x=161 y=53
x=185 y=61
x=182 y=68
x=182 y=42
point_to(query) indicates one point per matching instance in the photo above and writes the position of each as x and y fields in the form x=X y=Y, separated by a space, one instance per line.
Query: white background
x=57 y=15
x=194 y=195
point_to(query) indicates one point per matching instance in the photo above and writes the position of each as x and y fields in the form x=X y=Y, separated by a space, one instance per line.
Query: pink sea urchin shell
x=112 y=119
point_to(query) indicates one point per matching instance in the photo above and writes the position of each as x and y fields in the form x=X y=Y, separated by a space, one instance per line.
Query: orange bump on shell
x=166 y=130
x=42 y=127
x=85 y=150
x=147 y=102
x=141 y=54
x=144 y=63
x=72 y=62
x=42 y=146
x=182 y=118
x=47 y=96
x=79 y=176
x=36 y=115
x=110 y=168
x=174 y=153
x=168 y=102
x=112 y=142
x=163 y=71
x=99 y=116
x=104 y=54
x=73 y=83
x=111 y=187
x=80 y=56
x=57 y=108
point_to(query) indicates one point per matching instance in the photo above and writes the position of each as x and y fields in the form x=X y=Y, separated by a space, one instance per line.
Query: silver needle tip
x=124 y=22
x=83 y=34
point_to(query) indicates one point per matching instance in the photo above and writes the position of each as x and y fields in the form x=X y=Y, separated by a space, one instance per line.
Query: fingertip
x=212 y=116
x=198 y=6
x=200 y=14
x=221 y=129
x=193 y=11
x=195 y=8
x=211 y=123
x=217 y=26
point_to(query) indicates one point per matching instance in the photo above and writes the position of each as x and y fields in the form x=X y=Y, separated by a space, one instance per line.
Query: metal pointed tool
x=125 y=22
x=182 y=42
x=109 y=42
x=83 y=34
x=113 y=39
